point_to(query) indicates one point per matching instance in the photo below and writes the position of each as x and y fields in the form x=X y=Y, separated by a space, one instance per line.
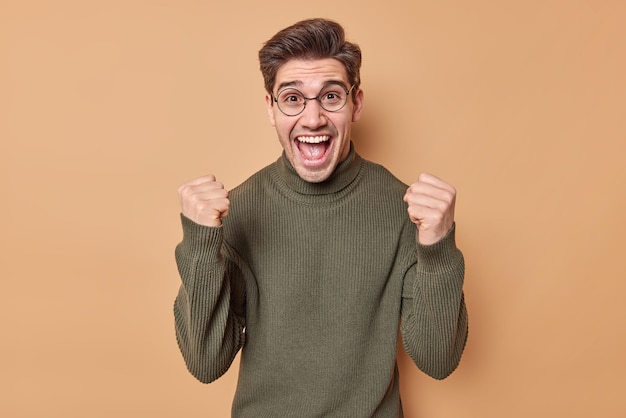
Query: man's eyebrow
x=286 y=84
x=334 y=83
x=298 y=84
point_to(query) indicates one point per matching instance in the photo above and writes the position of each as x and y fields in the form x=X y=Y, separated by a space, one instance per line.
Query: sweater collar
x=345 y=173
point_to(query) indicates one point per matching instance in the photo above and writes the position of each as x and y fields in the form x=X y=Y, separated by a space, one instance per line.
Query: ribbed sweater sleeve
x=434 y=315
x=208 y=310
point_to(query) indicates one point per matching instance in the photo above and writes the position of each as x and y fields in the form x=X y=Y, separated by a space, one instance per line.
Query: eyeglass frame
x=316 y=98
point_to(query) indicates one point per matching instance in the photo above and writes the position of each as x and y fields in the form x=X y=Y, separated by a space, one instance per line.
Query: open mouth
x=313 y=148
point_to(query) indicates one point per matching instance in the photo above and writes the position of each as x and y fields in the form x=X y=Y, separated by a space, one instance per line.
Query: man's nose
x=313 y=115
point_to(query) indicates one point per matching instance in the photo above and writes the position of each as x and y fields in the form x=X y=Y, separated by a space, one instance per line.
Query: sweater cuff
x=442 y=255
x=201 y=238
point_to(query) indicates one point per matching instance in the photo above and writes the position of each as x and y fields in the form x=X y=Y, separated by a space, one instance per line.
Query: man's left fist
x=431 y=207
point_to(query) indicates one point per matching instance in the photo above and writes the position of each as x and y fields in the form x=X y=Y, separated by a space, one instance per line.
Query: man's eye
x=290 y=98
x=331 y=96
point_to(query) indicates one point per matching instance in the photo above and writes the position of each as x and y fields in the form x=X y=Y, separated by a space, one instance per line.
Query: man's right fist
x=204 y=200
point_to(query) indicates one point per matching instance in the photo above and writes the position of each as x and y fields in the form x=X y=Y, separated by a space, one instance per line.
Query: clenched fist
x=431 y=207
x=204 y=200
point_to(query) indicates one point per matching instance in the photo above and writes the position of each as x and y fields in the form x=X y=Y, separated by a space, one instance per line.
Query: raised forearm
x=435 y=320
x=208 y=330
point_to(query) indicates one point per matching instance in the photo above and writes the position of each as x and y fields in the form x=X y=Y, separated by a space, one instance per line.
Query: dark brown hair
x=310 y=39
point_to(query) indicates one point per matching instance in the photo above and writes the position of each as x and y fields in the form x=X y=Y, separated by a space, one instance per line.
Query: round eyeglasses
x=292 y=102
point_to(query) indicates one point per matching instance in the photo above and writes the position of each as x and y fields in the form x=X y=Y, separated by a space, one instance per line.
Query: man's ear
x=357 y=101
x=270 y=108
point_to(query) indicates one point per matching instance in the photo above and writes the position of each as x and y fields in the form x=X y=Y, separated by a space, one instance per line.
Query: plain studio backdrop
x=107 y=106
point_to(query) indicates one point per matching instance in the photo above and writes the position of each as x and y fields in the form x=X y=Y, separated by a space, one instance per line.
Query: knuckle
x=194 y=199
x=182 y=189
x=448 y=196
x=202 y=205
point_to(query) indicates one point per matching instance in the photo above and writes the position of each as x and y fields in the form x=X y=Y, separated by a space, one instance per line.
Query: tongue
x=312 y=151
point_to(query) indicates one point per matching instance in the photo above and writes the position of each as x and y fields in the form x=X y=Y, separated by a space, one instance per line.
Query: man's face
x=316 y=140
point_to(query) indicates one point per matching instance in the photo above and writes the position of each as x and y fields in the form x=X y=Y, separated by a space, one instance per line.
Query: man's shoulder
x=377 y=173
x=254 y=183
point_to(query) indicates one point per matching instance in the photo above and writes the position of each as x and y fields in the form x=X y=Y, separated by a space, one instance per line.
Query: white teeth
x=313 y=139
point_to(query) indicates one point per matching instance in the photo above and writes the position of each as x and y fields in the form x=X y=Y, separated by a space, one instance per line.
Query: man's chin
x=313 y=175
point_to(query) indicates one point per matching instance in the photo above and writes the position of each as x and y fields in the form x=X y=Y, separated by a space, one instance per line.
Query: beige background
x=107 y=106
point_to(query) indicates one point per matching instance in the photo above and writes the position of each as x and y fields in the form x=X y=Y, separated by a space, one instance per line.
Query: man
x=312 y=264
